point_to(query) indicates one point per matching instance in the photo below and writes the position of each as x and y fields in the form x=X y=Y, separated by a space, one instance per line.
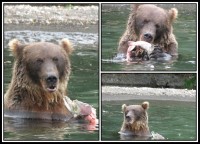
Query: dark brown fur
x=39 y=79
x=152 y=24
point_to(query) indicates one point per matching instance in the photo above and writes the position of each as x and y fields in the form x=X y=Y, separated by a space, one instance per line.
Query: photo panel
x=149 y=36
x=50 y=72
x=149 y=107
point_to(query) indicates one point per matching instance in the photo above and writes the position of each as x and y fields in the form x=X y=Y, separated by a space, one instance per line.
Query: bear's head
x=135 y=119
x=45 y=64
x=153 y=24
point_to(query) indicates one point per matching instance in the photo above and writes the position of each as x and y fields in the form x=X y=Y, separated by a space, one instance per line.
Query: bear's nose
x=51 y=79
x=128 y=118
x=148 y=37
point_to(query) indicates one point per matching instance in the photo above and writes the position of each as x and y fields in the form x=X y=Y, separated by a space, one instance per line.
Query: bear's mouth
x=52 y=88
x=49 y=87
x=149 y=40
x=147 y=37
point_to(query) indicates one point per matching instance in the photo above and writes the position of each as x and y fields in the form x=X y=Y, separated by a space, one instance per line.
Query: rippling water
x=77 y=38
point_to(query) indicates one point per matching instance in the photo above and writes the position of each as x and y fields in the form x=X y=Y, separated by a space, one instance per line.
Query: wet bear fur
x=39 y=80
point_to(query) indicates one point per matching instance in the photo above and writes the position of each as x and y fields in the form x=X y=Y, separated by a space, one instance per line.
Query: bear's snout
x=50 y=79
x=128 y=118
x=51 y=83
x=148 y=37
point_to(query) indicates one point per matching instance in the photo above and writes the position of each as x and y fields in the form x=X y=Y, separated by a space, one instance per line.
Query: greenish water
x=16 y=129
x=114 y=24
x=83 y=85
x=174 y=120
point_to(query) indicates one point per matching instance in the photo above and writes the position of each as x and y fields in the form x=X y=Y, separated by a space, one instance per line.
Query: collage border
x=105 y=72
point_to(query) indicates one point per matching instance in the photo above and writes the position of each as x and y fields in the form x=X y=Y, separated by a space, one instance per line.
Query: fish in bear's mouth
x=138 y=51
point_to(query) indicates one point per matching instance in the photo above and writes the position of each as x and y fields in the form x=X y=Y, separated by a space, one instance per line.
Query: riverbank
x=154 y=80
x=110 y=93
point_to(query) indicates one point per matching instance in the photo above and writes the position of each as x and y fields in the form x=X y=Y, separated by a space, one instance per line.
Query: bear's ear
x=134 y=7
x=16 y=47
x=145 y=105
x=66 y=44
x=123 y=107
x=173 y=13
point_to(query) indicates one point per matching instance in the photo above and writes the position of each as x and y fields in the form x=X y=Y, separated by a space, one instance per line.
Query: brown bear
x=152 y=24
x=39 y=80
x=135 y=119
x=135 y=123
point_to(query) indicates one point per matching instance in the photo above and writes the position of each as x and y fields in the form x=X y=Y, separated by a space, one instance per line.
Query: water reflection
x=30 y=130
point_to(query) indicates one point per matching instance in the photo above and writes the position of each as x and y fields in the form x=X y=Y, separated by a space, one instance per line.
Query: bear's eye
x=55 y=59
x=157 y=26
x=145 y=21
x=39 y=60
